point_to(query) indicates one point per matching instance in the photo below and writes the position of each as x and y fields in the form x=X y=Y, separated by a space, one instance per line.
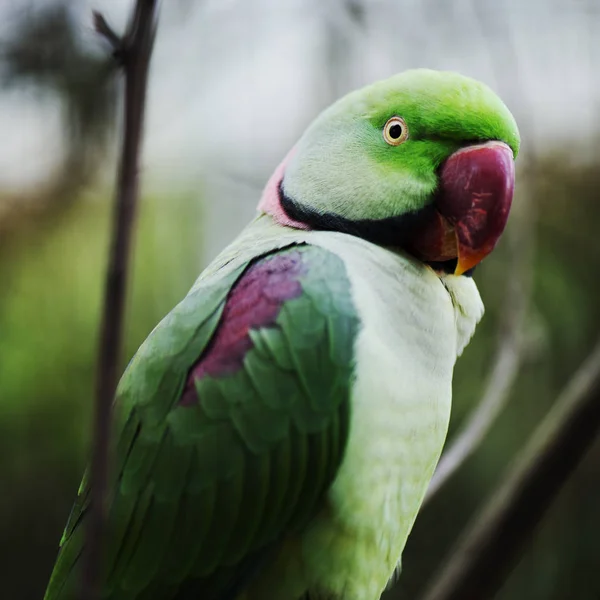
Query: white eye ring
x=395 y=131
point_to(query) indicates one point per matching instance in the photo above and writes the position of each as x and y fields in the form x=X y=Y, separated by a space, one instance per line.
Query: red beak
x=477 y=185
x=472 y=206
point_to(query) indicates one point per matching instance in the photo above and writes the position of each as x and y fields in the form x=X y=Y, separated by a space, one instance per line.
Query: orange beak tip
x=467 y=260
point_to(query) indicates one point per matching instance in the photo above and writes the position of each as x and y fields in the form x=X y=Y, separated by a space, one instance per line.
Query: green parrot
x=276 y=433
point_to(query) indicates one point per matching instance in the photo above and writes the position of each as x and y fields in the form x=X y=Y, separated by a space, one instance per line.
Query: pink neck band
x=270 y=202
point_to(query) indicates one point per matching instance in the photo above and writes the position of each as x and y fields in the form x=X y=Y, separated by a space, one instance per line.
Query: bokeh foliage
x=49 y=309
x=44 y=51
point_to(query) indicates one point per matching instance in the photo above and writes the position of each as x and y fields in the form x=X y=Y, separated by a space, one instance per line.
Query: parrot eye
x=395 y=131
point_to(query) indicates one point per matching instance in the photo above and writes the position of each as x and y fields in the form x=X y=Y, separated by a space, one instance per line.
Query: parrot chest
x=405 y=354
x=412 y=327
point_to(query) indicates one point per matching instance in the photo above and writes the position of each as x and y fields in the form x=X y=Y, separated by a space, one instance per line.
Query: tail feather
x=64 y=581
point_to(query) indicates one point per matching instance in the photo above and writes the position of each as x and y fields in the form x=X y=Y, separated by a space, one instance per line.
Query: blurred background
x=233 y=84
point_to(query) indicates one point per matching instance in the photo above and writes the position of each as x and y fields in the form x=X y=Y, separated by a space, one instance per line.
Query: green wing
x=204 y=492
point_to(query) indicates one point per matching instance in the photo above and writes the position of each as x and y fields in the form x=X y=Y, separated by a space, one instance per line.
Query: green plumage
x=201 y=494
x=304 y=462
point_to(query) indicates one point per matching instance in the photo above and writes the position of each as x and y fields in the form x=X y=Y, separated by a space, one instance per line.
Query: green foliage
x=49 y=307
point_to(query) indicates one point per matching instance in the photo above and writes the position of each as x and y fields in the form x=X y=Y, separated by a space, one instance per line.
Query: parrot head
x=422 y=161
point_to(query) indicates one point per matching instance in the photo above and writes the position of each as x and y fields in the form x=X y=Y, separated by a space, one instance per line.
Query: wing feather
x=209 y=482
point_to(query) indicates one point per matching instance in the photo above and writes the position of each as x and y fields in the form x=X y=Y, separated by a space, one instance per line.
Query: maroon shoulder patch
x=253 y=302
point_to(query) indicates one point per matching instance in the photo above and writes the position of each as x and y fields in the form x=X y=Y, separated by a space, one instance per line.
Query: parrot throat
x=393 y=232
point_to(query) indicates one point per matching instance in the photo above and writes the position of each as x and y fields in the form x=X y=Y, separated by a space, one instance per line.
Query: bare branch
x=508 y=357
x=106 y=31
x=135 y=50
x=483 y=558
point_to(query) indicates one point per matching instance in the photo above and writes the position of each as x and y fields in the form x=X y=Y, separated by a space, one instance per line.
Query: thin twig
x=106 y=31
x=135 y=49
x=483 y=558
x=508 y=356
